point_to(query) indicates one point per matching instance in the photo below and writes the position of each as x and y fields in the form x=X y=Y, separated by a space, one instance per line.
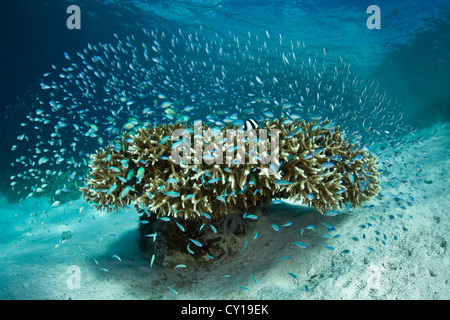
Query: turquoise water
x=66 y=93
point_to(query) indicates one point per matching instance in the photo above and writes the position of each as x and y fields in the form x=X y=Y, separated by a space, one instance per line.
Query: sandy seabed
x=395 y=247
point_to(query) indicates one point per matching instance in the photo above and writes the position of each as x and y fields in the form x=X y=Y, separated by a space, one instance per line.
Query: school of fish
x=164 y=77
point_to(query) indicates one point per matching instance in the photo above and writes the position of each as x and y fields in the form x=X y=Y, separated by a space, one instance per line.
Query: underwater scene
x=225 y=150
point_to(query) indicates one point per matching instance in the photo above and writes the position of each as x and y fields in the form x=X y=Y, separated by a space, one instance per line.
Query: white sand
x=412 y=263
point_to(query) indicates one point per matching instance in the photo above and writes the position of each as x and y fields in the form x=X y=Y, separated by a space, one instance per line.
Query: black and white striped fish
x=250 y=124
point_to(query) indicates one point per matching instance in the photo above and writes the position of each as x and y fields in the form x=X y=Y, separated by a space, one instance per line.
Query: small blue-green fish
x=180 y=226
x=114 y=169
x=326 y=224
x=292 y=156
x=225 y=276
x=358 y=157
x=329 y=247
x=124 y=163
x=258 y=79
x=189 y=250
x=336 y=158
x=311 y=227
x=351 y=177
x=164 y=219
x=275 y=227
x=228 y=170
x=104 y=269
x=213 y=228
x=251 y=216
x=245 y=288
x=282 y=182
x=115 y=256
x=328 y=126
x=164 y=140
x=130 y=174
x=207 y=173
x=151 y=261
x=362 y=186
x=189 y=196
x=140 y=174
x=340 y=191
x=111 y=189
x=346 y=251
x=122 y=179
x=124 y=192
x=206 y=215
x=287 y=224
x=172 y=290
x=328 y=165
x=300 y=244
x=310 y=196
x=308 y=156
x=292 y=275
x=152 y=235
x=245 y=246
x=256 y=235
x=220 y=198
x=284 y=258
x=213 y=180
x=253 y=278
x=172 y=180
x=318 y=150
x=172 y=194
x=295 y=131
x=180 y=266
x=198 y=244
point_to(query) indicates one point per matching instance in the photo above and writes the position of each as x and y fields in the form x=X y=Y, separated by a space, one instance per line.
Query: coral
x=314 y=163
